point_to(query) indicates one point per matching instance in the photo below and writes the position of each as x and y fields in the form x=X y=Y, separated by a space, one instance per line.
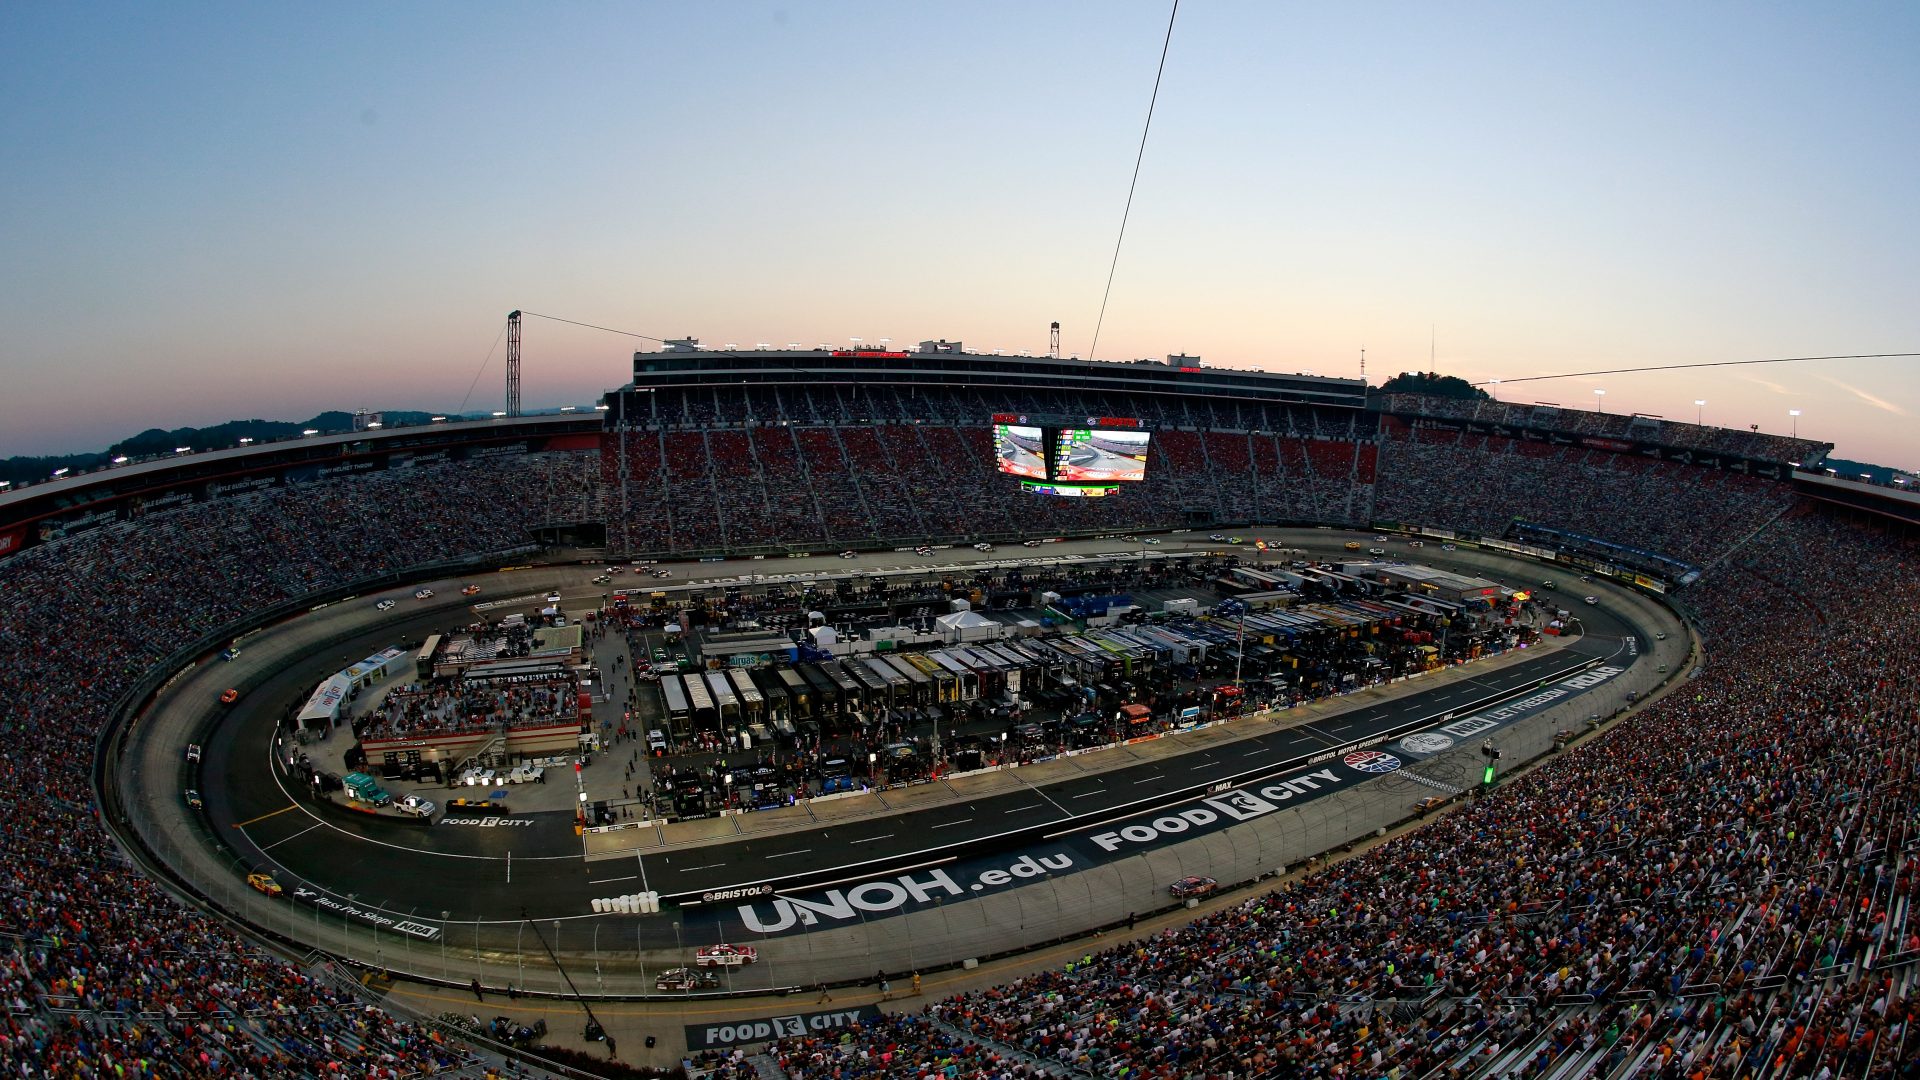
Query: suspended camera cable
x=482 y=371
x=1135 y=182
x=1709 y=364
x=591 y=326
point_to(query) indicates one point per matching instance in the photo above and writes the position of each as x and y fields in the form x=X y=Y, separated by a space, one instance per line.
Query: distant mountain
x=154 y=442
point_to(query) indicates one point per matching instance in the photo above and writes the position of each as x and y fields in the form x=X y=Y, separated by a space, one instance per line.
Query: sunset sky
x=212 y=211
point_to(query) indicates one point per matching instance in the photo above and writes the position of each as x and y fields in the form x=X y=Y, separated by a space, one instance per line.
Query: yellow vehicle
x=1353 y=545
x=265 y=883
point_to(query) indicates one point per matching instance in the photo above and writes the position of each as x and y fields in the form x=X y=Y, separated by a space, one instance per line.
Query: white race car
x=423 y=594
x=383 y=605
x=726 y=955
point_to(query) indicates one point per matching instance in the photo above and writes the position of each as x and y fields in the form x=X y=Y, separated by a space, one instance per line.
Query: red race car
x=726 y=956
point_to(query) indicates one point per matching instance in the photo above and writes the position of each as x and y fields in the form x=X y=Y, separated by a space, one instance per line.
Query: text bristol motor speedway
x=884 y=896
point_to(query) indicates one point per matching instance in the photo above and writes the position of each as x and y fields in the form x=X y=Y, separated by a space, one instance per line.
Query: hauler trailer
x=679 y=711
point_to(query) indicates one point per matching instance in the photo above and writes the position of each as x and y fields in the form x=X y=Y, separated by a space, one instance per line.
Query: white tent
x=966 y=626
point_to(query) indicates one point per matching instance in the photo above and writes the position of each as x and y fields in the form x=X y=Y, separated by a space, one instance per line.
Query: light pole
x=1599 y=399
x=1795 y=414
x=1699 y=412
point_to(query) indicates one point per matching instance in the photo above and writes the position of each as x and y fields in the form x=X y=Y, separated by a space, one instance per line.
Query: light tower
x=1053 y=342
x=513 y=363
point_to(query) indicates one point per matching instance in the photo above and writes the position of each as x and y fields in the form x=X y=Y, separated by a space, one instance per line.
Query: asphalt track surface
x=1096 y=463
x=497 y=873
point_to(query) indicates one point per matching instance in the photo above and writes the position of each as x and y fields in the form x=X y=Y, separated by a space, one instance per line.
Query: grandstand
x=1721 y=886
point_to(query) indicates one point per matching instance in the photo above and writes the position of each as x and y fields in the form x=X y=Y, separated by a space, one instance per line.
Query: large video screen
x=1021 y=450
x=1098 y=454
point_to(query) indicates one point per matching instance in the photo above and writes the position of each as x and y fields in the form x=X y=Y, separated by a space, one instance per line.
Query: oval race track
x=1117 y=807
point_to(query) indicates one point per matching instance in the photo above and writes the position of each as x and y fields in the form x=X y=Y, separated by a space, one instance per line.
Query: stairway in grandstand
x=1792 y=509
x=1051 y=1068
x=766 y=1067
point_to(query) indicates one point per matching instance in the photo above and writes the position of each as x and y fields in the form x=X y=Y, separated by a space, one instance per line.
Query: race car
x=726 y=955
x=471 y=590
x=681 y=978
x=1217 y=538
x=1029 y=543
x=265 y=883
x=229 y=696
x=849 y=554
x=1589 y=599
x=983 y=546
x=193 y=799
x=231 y=652
x=1150 y=540
x=1353 y=545
x=1192 y=886
x=553 y=598
x=423 y=594
x=923 y=551
x=193 y=751
x=383 y=605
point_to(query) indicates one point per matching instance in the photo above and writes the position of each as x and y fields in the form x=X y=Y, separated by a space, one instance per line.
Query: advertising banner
x=792 y=1025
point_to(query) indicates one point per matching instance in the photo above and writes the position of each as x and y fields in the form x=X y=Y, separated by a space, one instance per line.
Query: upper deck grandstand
x=1788 y=891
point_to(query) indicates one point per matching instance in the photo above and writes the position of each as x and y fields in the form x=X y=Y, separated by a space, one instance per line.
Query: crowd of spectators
x=825 y=467
x=105 y=973
x=1481 y=483
x=1720 y=886
x=1747 y=834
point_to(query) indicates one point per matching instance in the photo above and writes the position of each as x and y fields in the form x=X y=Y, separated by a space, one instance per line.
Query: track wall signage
x=717 y=1036
x=379 y=919
x=895 y=894
x=1224 y=807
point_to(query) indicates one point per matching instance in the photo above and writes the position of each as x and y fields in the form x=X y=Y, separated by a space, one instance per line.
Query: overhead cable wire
x=1709 y=364
x=483 y=369
x=1135 y=182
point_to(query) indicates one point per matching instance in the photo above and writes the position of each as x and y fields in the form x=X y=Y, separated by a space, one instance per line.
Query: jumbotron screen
x=1098 y=455
x=1021 y=450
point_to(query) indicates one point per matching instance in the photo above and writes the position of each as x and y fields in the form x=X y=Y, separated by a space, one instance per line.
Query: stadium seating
x=1724 y=882
x=103 y=970
x=1720 y=887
